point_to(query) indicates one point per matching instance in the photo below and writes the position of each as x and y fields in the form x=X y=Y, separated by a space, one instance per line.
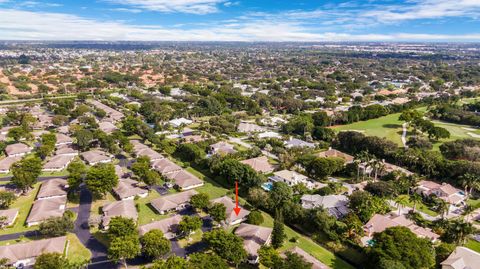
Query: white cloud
x=425 y=9
x=128 y=10
x=28 y=25
x=184 y=6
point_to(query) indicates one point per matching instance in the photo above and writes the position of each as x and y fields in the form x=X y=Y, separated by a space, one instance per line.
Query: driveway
x=98 y=250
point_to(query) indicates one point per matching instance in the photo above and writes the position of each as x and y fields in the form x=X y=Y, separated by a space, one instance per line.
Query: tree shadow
x=392 y=125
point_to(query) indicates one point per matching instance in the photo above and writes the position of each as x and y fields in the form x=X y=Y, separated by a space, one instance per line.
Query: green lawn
x=97 y=204
x=146 y=213
x=194 y=238
x=24 y=204
x=457 y=131
x=474 y=203
x=423 y=208
x=322 y=254
x=473 y=245
x=213 y=189
x=389 y=127
x=77 y=252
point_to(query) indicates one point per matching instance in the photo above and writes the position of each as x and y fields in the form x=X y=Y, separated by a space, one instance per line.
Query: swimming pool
x=267 y=186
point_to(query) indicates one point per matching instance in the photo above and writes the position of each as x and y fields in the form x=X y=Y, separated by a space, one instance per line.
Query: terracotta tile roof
x=259 y=164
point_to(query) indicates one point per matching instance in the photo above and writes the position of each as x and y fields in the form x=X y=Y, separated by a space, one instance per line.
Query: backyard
x=24 y=204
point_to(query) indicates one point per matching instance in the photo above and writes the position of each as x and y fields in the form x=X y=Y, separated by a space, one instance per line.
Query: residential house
x=179 y=122
x=336 y=205
x=63 y=140
x=112 y=114
x=53 y=188
x=23 y=255
x=259 y=164
x=46 y=208
x=165 y=166
x=17 y=150
x=58 y=163
x=66 y=150
x=7 y=162
x=462 y=258
x=128 y=189
x=336 y=153
x=168 y=226
x=378 y=223
x=293 y=178
x=232 y=217
x=10 y=215
x=254 y=237
x=269 y=134
x=123 y=208
x=96 y=156
x=150 y=153
x=246 y=127
x=222 y=148
x=173 y=202
x=444 y=191
x=185 y=180
x=294 y=143
x=107 y=127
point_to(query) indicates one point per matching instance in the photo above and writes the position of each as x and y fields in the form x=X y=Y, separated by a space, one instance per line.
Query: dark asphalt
x=8 y=178
x=99 y=251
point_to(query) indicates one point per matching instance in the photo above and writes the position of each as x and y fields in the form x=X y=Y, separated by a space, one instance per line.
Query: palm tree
x=460 y=230
x=401 y=201
x=416 y=199
x=467 y=210
x=364 y=158
x=469 y=182
x=375 y=164
x=442 y=207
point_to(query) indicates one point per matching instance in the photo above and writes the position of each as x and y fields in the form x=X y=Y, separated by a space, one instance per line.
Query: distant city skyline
x=241 y=20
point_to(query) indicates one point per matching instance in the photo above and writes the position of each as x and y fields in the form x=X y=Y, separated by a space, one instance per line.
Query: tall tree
x=101 y=178
x=226 y=245
x=189 y=224
x=218 y=212
x=200 y=201
x=25 y=172
x=278 y=233
x=154 y=244
x=51 y=260
x=76 y=172
x=401 y=245
x=123 y=248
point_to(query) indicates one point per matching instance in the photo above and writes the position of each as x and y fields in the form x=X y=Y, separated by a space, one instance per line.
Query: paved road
x=404 y=134
x=8 y=178
x=99 y=251
x=6 y=237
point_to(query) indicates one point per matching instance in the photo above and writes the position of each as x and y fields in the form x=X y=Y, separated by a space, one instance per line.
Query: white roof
x=462 y=258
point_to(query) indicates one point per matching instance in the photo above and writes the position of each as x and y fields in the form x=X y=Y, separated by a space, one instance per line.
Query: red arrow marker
x=236 y=209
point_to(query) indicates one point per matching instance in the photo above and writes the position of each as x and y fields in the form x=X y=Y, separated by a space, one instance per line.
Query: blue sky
x=241 y=20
